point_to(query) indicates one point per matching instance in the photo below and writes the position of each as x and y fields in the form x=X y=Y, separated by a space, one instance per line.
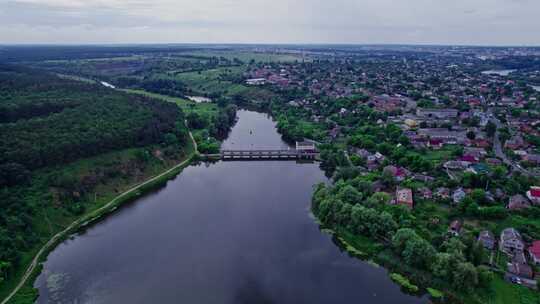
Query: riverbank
x=372 y=252
x=196 y=224
x=22 y=286
x=420 y=282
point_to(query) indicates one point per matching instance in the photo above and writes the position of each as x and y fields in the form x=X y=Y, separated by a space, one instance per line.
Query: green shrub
x=435 y=294
x=404 y=282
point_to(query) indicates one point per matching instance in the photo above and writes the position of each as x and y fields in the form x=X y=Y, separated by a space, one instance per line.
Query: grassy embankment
x=499 y=291
x=54 y=226
x=55 y=222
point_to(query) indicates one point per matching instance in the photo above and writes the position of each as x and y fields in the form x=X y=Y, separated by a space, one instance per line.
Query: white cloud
x=312 y=21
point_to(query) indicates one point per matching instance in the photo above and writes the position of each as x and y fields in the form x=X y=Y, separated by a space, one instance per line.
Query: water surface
x=229 y=232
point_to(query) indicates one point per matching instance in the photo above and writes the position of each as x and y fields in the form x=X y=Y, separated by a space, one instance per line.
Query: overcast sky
x=477 y=22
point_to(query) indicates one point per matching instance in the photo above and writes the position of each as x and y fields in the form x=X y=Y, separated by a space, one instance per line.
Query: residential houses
x=518 y=202
x=487 y=239
x=511 y=242
x=425 y=193
x=455 y=228
x=447 y=136
x=437 y=113
x=442 y=193
x=521 y=270
x=432 y=116
x=534 y=252
x=405 y=197
x=398 y=173
x=534 y=195
x=458 y=195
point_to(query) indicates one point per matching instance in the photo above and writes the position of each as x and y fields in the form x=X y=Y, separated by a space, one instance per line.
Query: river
x=226 y=232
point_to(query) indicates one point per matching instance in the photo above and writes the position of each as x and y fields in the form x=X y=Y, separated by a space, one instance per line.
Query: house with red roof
x=399 y=173
x=534 y=252
x=435 y=143
x=405 y=197
x=473 y=102
x=534 y=195
x=515 y=143
x=469 y=158
x=482 y=143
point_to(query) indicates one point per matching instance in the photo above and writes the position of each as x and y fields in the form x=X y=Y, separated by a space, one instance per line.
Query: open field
x=504 y=293
x=222 y=82
x=246 y=56
x=186 y=105
x=89 y=60
x=213 y=81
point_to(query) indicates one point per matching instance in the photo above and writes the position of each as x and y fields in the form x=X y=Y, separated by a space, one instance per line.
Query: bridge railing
x=267 y=153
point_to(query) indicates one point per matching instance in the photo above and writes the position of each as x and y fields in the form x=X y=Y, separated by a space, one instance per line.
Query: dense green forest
x=85 y=120
x=62 y=142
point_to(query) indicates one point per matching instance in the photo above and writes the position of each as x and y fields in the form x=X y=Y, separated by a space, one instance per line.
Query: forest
x=62 y=139
x=85 y=120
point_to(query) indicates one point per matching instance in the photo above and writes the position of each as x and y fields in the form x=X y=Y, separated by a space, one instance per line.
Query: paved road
x=532 y=284
x=498 y=149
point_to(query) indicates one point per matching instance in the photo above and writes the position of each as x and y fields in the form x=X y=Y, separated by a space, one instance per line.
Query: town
x=429 y=154
x=447 y=132
x=291 y=152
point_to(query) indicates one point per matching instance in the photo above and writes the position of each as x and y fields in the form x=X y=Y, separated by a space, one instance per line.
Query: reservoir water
x=227 y=232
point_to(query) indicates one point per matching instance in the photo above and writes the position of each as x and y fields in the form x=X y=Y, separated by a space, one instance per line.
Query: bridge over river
x=304 y=150
x=263 y=154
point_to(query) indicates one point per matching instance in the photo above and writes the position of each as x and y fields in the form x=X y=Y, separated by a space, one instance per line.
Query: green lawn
x=501 y=260
x=439 y=156
x=360 y=243
x=505 y=293
x=185 y=104
x=211 y=81
x=527 y=225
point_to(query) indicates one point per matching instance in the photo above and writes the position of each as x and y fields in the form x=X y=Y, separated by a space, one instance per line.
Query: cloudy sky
x=477 y=22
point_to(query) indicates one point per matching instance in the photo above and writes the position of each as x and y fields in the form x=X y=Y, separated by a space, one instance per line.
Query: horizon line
x=266 y=44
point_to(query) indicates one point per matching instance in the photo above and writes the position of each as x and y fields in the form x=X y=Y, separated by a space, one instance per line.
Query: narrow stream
x=228 y=232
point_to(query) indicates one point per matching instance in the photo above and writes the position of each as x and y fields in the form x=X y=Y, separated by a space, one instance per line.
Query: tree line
x=453 y=262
